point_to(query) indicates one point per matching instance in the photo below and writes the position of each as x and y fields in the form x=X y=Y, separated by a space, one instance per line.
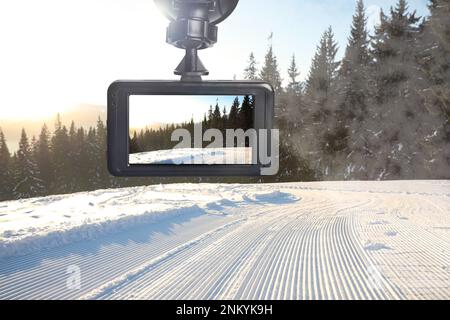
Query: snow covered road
x=354 y=240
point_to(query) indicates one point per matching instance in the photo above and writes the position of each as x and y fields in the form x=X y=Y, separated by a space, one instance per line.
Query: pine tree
x=83 y=165
x=270 y=72
x=357 y=54
x=92 y=158
x=319 y=106
x=5 y=170
x=434 y=66
x=210 y=117
x=294 y=86
x=399 y=127
x=216 y=117
x=317 y=80
x=44 y=159
x=134 y=144
x=233 y=117
x=246 y=113
x=291 y=102
x=345 y=140
x=251 y=71
x=323 y=70
x=60 y=157
x=76 y=147
x=12 y=174
x=204 y=123
x=26 y=172
x=332 y=49
x=103 y=177
x=224 y=123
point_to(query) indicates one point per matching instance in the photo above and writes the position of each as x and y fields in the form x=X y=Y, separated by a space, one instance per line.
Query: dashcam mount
x=193 y=27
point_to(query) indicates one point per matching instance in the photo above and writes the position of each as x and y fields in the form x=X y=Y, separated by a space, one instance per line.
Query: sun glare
x=62 y=71
x=33 y=112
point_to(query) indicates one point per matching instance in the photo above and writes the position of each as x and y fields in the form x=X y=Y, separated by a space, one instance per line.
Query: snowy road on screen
x=353 y=240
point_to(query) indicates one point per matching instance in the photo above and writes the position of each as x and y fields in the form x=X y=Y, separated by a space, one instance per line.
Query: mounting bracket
x=193 y=27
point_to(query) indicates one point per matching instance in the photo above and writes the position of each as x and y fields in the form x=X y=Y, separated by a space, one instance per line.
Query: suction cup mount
x=193 y=27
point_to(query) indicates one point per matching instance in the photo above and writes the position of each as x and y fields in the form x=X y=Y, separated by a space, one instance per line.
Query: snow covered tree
x=434 y=82
x=345 y=139
x=437 y=40
x=251 y=71
x=318 y=108
x=5 y=170
x=26 y=174
x=322 y=73
x=400 y=127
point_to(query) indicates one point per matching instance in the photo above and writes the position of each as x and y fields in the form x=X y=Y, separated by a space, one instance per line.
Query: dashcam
x=192 y=127
x=211 y=128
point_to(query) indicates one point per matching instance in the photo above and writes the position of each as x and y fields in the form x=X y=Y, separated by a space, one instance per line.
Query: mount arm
x=192 y=28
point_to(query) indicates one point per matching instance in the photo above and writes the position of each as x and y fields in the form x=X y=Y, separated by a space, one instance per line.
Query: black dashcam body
x=193 y=27
x=118 y=124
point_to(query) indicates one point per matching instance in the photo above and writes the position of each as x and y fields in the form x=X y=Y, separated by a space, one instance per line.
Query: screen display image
x=191 y=130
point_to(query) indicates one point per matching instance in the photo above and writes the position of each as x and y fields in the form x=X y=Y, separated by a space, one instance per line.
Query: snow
x=41 y=223
x=194 y=156
x=327 y=240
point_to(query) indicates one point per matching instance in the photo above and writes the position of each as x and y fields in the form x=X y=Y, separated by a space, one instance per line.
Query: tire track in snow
x=262 y=258
x=43 y=275
x=332 y=244
x=413 y=257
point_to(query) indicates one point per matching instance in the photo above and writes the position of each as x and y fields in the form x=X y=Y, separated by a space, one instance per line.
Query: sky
x=61 y=55
x=146 y=110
